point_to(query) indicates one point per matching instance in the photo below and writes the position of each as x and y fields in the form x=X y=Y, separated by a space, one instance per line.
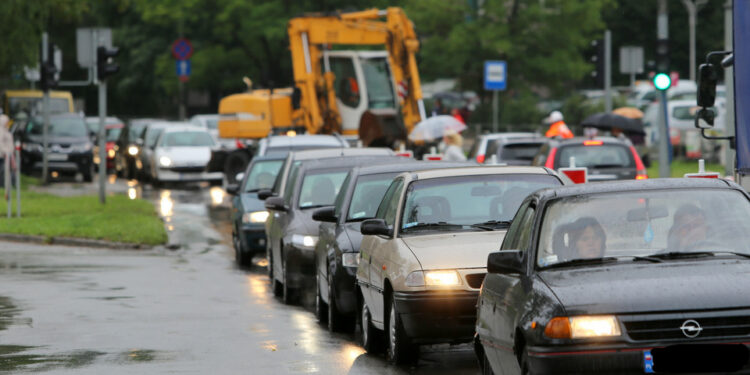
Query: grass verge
x=120 y=220
x=680 y=167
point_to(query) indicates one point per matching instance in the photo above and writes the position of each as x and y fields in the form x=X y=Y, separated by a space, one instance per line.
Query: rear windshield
x=602 y=156
x=520 y=151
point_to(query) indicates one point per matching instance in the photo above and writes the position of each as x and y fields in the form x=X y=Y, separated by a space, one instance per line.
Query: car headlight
x=133 y=150
x=32 y=147
x=350 y=259
x=255 y=217
x=304 y=242
x=164 y=161
x=578 y=327
x=433 y=278
x=111 y=153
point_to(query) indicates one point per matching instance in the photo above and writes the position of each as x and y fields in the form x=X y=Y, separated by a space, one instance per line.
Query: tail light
x=480 y=159
x=641 y=173
x=550 y=163
x=238 y=143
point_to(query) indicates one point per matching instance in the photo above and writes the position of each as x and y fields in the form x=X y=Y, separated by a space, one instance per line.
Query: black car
x=337 y=251
x=248 y=211
x=70 y=148
x=621 y=277
x=292 y=234
x=127 y=147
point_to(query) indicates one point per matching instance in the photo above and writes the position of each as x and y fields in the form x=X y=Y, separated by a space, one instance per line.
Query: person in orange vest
x=557 y=127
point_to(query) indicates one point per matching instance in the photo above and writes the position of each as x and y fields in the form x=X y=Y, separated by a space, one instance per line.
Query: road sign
x=87 y=40
x=702 y=172
x=182 y=49
x=577 y=175
x=631 y=60
x=495 y=75
x=183 y=69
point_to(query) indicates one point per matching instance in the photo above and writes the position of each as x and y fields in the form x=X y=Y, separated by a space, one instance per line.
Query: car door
x=327 y=247
x=381 y=247
x=280 y=220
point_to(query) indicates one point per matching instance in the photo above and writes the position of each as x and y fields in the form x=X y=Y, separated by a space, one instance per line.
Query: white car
x=181 y=154
x=682 y=131
x=211 y=123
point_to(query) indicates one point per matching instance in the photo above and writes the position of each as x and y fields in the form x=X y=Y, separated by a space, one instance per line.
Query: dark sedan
x=629 y=277
x=70 y=148
x=337 y=251
x=248 y=211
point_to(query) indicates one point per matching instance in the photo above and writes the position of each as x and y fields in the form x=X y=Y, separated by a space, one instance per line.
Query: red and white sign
x=406 y=154
x=577 y=175
x=432 y=157
x=702 y=172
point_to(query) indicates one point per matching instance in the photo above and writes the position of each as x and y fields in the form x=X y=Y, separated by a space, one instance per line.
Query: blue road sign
x=183 y=68
x=495 y=75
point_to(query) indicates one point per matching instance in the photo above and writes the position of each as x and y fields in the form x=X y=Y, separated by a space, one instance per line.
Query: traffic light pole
x=662 y=33
x=101 y=140
x=607 y=71
x=45 y=111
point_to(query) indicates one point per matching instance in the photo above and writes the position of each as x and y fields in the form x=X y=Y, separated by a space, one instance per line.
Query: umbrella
x=608 y=121
x=436 y=127
x=629 y=112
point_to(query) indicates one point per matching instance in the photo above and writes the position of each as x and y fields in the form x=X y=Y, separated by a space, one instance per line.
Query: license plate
x=57 y=157
x=696 y=358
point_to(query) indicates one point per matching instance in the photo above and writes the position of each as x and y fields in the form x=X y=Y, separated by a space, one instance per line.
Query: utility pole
x=692 y=10
x=607 y=71
x=729 y=154
x=45 y=111
x=181 y=84
x=662 y=36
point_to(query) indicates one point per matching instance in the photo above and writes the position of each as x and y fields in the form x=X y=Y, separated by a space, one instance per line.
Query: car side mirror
x=505 y=261
x=376 y=227
x=707 y=80
x=233 y=189
x=276 y=204
x=325 y=214
x=264 y=194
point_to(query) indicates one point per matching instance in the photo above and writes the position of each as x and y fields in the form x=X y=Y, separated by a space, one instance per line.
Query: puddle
x=14 y=361
x=8 y=313
x=113 y=298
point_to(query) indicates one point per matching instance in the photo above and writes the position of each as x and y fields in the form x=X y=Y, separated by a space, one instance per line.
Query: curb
x=68 y=241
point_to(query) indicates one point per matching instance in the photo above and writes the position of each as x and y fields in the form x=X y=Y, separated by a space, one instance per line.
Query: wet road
x=189 y=310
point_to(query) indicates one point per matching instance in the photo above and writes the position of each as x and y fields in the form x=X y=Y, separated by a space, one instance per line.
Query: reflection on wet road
x=191 y=310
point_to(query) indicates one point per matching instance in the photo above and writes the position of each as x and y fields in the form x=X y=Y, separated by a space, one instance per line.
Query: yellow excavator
x=374 y=96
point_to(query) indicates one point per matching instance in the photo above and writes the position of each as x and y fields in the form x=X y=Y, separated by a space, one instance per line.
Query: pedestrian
x=557 y=127
x=453 y=151
x=6 y=145
x=438 y=108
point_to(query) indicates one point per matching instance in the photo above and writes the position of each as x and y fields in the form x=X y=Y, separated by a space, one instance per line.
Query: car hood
x=190 y=156
x=454 y=250
x=668 y=286
x=251 y=203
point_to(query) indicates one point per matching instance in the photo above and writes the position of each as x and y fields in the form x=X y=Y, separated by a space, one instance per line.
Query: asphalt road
x=190 y=310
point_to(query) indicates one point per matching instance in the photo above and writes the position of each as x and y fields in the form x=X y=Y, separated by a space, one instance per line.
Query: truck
x=372 y=96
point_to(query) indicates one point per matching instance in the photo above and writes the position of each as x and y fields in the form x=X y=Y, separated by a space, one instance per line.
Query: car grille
x=666 y=329
x=197 y=169
x=475 y=279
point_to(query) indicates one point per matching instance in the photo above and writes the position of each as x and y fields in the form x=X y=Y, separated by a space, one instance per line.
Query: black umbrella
x=608 y=121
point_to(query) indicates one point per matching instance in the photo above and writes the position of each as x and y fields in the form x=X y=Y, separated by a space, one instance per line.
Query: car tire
x=269 y=266
x=400 y=350
x=337 y=322
x=243 y=259
x=486 y=368
x=524 y=362
x=88 y=174
x=287 y=295
x=371 y=337
x=321 y=308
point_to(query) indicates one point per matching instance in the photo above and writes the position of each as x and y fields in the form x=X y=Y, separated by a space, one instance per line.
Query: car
x=292 y=234
x=620 y=277
x=422 y=259
x=69 y=146
x=606 y=158
x=210 y=122
x=147 y=147
x=685 y=138
x=181 y=155
x=112 y=128
x=127 y=147
x=478 y=150
x=248 y=211
x=514 y=150
x=337 y=250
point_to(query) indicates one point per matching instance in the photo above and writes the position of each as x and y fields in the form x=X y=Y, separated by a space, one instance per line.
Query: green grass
x=680 y=167
x=119 y=220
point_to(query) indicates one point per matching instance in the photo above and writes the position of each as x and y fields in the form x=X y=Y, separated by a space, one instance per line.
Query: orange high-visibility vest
x=559 y=129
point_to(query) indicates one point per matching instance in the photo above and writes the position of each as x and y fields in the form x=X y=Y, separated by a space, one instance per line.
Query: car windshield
x=319 y=187
x=644 y=223
x=466 y=202
x=367 y=195
x=262 y=176
x=32 y=106
x=602 y=155
x=520 y=151
x=187 y=139
x=60 y=127
x=113 y=134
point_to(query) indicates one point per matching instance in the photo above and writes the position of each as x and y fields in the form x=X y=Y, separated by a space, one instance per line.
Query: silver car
x=181 y=154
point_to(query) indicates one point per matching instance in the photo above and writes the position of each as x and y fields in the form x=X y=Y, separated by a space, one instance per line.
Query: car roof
x=337 y=152
x=302 y=140
x=177 y=127
x=269 y=157
x=493 y=136
x=315 y=164
x=635 y=185
x=408 y=165
x=480 y=170
x=580 y=140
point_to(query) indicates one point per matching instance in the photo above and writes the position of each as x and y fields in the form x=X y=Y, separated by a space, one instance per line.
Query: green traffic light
x=662 y=81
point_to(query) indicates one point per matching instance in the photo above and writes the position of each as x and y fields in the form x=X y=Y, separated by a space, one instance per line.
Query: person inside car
x=688 y=230
x=587 y=238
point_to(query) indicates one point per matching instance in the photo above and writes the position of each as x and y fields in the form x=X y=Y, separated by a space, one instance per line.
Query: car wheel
x=269 y=258
x=287 y=295
x=371 y=336
x=336 y=321
x=400 y=350
x=525 y=362
x=321 y=309
x=486 y=368
x=239 y=255
x=88 y=174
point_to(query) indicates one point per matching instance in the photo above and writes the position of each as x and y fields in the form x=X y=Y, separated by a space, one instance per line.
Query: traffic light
x=662 y=80
x=47 y=70
x=597 y=58
x=105 y=64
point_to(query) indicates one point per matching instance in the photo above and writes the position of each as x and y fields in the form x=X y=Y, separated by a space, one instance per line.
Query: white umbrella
x=436 y=127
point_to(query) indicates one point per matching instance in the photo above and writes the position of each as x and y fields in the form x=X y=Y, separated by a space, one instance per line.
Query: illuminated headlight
x=579 y=327
x=32 y=147
x=433 y=278
x=111 y=153
x=304 y=242
x=83 y=147
x=255 y=217
x=164 y=161
x=133 y=150
x=350 y=259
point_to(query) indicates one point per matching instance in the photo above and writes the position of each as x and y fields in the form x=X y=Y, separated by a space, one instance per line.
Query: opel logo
x=690 y=328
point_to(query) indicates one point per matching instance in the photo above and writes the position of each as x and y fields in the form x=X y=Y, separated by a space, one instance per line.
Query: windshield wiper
x=440 y=224
x=694 y=254
x=602 y=260
x=492 y=224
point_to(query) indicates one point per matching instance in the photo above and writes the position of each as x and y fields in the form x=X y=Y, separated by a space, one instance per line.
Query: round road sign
x=182 y=49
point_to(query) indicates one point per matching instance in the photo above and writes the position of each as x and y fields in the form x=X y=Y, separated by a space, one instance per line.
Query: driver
x=689 y=228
